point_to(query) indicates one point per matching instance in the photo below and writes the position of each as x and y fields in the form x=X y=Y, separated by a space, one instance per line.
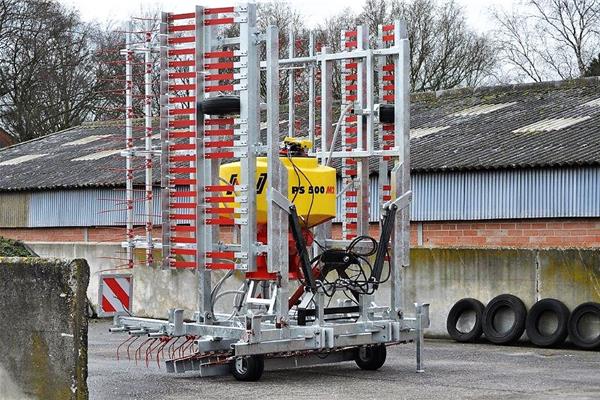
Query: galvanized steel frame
x=274 y=332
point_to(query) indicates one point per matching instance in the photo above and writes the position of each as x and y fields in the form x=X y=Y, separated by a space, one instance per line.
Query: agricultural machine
x=246 y=203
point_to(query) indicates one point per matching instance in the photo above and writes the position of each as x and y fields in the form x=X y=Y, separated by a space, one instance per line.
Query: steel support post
x=323 y=231
x=250 y=113
x=291 y=84
x=383 y=181
x=401 y=172
x=311 y=89
x=129 y=142
x=164 y=140
x=148 y=200
x=277 y=217
x=204 y=233
x=419 y=340
x=364 y=132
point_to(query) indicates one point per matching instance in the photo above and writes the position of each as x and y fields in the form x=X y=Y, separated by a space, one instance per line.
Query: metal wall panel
x=507 y=194
x=86 y=207
x=475 y=195
x=14 y=209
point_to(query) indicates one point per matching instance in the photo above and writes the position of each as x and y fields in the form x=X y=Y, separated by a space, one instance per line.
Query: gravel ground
x=453 y=371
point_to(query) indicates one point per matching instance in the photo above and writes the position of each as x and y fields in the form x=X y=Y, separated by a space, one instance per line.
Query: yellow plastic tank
x=311 y=187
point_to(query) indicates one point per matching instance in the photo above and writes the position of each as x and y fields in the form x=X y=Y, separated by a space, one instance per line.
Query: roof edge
x=487 y=90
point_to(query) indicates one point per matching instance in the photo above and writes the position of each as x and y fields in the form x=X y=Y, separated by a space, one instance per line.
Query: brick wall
x=541 y=233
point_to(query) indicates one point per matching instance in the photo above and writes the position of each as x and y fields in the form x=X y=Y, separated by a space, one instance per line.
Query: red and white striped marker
x=115 y=292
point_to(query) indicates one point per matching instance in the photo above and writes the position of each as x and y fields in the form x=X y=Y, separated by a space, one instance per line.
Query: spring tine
x=149 y=351
x=190 y=345
x=129 y=345
x=170 y=350
x=178 y=350
x=139 y=350
x=164 y=341
x=123 y=343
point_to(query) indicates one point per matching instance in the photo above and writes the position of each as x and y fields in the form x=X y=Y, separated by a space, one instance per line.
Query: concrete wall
x=443 y=276
x=44 y=329
x=440 y=276
x=100 y=256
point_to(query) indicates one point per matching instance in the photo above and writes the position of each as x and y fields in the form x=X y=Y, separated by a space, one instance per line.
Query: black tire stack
x=487 y=321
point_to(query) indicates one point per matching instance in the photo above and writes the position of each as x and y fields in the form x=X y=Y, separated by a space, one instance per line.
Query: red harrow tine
x=219 y=54
x=183 y=252
x=219 y=77
x=180 y=40
x=182 y=52
x=183 y=264
x=173 y=17
x=218 y=10
x=219 y=21
x=182 y=28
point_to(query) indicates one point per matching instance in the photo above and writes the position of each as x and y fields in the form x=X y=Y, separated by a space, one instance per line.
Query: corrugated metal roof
x=476 y=140
x=552 y=124
x=22 y=159
x=420 y=132
x=483 y=109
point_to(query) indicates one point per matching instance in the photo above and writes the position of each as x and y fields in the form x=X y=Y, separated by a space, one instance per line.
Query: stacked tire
x=505 y=318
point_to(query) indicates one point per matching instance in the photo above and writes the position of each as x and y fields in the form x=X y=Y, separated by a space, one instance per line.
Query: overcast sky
x=315 y=10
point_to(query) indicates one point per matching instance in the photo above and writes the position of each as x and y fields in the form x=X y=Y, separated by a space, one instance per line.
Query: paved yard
x=453 y=371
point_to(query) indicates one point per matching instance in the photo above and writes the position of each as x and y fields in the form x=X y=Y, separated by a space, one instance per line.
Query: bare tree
x=47 y=70
x=444 y=52
x=548 y=39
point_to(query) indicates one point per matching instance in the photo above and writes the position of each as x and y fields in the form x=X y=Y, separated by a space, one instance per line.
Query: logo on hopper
x=260 y=184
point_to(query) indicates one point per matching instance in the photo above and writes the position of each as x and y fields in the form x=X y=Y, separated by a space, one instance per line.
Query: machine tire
x=386 y=113
x=518 y=327
x=248 y=368
x=370 y=358
x=221 y=105
x=575 y=330
x=557 y=337
x=458 y=309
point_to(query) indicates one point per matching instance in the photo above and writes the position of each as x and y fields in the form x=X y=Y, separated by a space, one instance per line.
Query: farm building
x=511 y=166
x=502 y=166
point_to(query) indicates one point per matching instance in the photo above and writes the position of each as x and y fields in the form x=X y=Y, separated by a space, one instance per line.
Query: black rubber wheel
x=370 y=358
x=460 y=309
x=504 y=302
x=248 y=368
x=532 y=325
x=576 y=325
x=386 y=113
x=220 y=105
